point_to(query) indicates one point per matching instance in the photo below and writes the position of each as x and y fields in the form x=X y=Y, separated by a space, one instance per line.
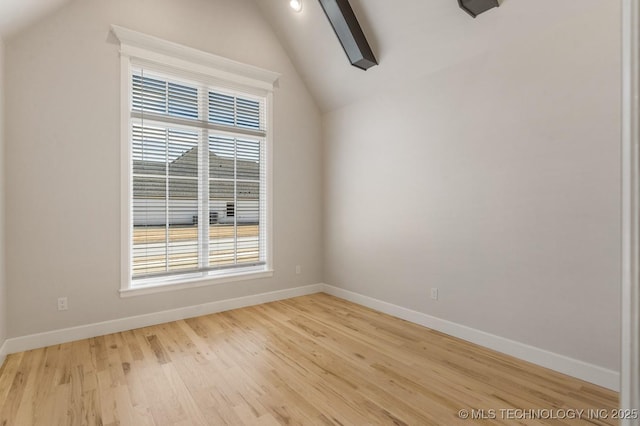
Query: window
x=196 y=160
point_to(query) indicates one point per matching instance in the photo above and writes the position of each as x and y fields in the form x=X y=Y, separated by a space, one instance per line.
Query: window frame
x=141 y=50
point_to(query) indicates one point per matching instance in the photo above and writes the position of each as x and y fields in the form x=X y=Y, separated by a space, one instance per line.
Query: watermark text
x=547 y=414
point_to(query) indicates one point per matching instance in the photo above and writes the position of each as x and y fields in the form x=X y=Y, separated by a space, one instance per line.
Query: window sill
x=181 y=283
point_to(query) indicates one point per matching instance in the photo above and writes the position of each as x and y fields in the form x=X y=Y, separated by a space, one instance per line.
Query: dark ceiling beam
x=476 y=7
x=346 y=26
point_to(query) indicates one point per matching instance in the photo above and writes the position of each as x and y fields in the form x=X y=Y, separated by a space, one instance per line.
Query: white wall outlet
x=434 y=293
x=63 y=304
x=298 y=269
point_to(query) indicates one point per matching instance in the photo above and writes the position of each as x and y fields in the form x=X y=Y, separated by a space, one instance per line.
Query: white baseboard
x=582 y=370
x=591 y=373
x=56 y=337
x=3 y=352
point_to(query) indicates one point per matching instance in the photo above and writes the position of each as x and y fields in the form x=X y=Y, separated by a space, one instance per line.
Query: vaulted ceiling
x=410 y=38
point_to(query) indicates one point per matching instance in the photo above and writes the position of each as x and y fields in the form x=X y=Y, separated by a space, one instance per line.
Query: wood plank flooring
x=313 y=360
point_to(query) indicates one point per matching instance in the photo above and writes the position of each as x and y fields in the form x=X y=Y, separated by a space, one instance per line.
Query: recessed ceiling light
x=296 y=5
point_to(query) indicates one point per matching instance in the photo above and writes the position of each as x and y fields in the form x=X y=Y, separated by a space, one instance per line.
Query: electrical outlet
x=434 y=293
x=63 y=304
x=298 y=269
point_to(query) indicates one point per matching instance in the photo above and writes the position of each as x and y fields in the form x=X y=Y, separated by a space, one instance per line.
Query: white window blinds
x=198 y=173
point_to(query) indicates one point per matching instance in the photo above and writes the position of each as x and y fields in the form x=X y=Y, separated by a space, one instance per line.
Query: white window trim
x=140 y=48
x=630 y=329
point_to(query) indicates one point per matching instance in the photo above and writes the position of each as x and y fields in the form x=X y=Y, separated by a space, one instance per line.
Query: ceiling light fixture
x=296 y=5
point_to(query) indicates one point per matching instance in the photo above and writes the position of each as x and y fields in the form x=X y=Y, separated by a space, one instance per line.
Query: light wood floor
x=309 y=360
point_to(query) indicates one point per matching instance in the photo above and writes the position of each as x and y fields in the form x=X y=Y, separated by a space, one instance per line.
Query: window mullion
x=235 y=201
x=235 y=184
x=167 y=233
x=203 y=184
x=262 y=202
x=166 y=97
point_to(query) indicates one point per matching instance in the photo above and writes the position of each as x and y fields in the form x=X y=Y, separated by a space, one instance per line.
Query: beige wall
x=63 y=201
x=496 y=181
